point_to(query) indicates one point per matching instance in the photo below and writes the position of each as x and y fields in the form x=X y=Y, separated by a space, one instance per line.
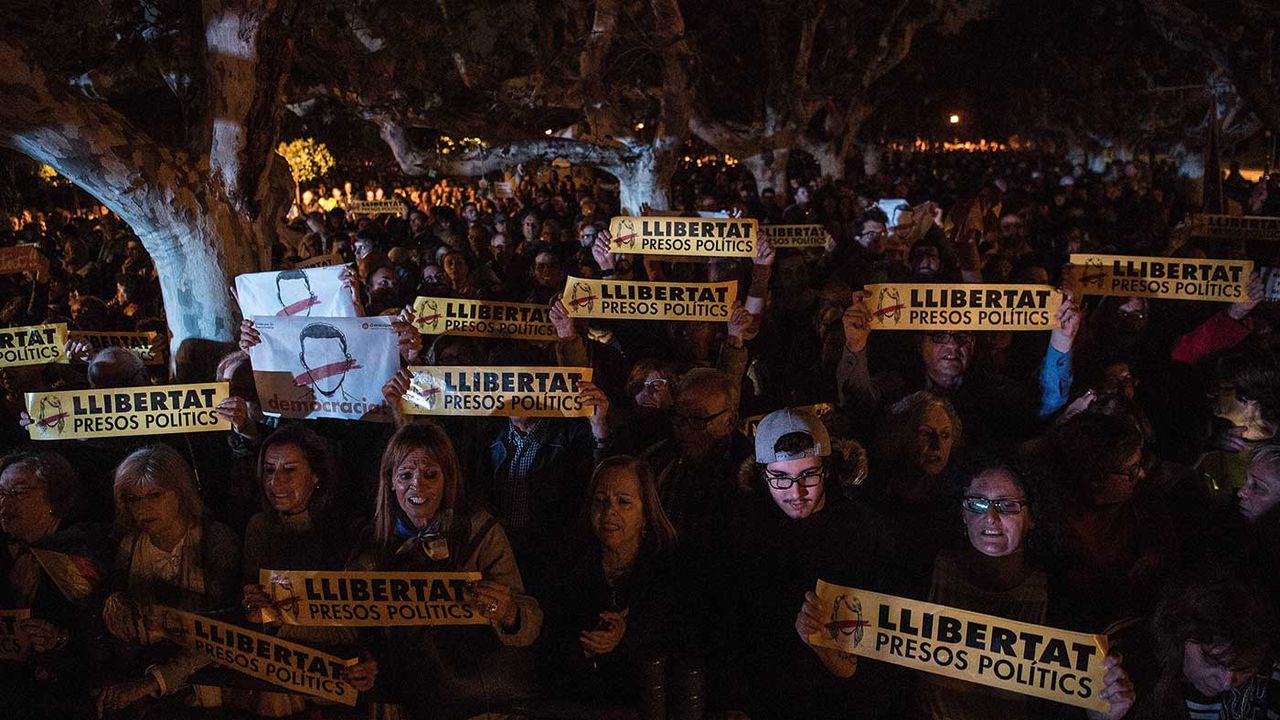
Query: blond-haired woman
x=169 y=555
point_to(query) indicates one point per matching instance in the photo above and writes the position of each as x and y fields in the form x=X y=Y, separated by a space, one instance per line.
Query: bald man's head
x=116 y=367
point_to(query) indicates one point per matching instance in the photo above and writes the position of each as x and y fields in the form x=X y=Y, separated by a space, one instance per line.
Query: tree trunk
x=646 y=180
x=872 y=158
x=769 y=168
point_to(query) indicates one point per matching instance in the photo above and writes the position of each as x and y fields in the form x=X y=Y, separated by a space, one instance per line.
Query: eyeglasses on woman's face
x=979 y=505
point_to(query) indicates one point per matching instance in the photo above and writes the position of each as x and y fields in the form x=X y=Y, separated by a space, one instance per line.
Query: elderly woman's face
x=25 y=512
x=418 y=482
x=933 y=440
x=154 y=509
x=617 y=510
x=992 y=532
x=287 y=478
x=655 y=393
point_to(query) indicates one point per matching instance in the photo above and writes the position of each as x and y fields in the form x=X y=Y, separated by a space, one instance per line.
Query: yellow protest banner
x=32 y=344
x=125 y=412
x=1159 y=277
x=962 y=306
x=796 y=236
x=372 y=599
x=699 y=237
x=22 y=258
x=142 y=344
x=749 y=424
x=633 y=300
x=1058 y=665
x=280 y=662
x=13 y=641
x=483 y=318
x=1230 y=227
x=375 y=207
x=497 y=391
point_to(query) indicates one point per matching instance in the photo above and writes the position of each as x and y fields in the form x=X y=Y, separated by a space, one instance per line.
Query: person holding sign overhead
x=423 y=522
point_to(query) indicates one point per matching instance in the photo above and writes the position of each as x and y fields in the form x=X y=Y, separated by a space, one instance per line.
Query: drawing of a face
x=846 y=619
x=293 y=290
x=1094 y=273
x=324 y=357
x=425 y=390
x=50 y=415
x=890 y=305
x=581 y=297
x=430 y=316
x=626 y=233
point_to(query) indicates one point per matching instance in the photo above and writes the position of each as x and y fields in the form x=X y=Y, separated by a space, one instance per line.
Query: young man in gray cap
x=790 y=527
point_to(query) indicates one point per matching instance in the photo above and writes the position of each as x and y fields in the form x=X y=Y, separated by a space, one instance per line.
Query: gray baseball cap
x=784 y=422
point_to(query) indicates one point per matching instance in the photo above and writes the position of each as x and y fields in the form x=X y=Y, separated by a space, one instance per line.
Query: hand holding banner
x=126 y=412
x=483 y=318
x=1058 y=665
x=372 y=599
x=497 y=391
x=632 y=300
x=684 y=236
x=962 y=306
x=32 y=345
x=1159 y=277
x=291 y=666
x=302 y=292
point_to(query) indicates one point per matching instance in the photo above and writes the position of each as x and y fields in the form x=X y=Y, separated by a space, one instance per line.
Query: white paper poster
x=324 y=367
x=300 y=292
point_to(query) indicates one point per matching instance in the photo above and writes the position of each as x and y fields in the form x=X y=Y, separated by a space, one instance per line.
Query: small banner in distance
x=142 y=344
x=796 y=236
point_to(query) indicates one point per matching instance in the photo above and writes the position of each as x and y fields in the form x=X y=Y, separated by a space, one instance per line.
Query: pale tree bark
x=204 y=216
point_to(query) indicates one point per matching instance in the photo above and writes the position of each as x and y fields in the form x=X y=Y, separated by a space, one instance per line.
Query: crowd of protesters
x=1117 y=475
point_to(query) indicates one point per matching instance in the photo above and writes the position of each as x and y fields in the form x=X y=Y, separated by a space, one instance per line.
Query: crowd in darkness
x=1117 y=475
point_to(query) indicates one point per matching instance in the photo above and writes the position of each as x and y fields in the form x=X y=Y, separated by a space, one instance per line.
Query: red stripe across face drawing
x=1090 y=278
x=311 y=377
x=52 y=419
x=430 y=319
x=847 y=624
x=888 y=310
x=297 y=307
x=623 y=239
x=582 y=300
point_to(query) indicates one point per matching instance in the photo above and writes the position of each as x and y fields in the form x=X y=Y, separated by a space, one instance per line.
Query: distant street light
x=954 y=119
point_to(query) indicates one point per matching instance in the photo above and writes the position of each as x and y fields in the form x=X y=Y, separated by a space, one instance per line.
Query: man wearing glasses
x=792 y=526
x=696 y=467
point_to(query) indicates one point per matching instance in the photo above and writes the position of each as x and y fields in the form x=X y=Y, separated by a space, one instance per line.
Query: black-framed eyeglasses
x=808 y=478
x=950 y=338
x=695 y=421
x=979 y=505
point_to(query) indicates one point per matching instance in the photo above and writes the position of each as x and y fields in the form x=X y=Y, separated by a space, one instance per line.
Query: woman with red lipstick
x=297 y=530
